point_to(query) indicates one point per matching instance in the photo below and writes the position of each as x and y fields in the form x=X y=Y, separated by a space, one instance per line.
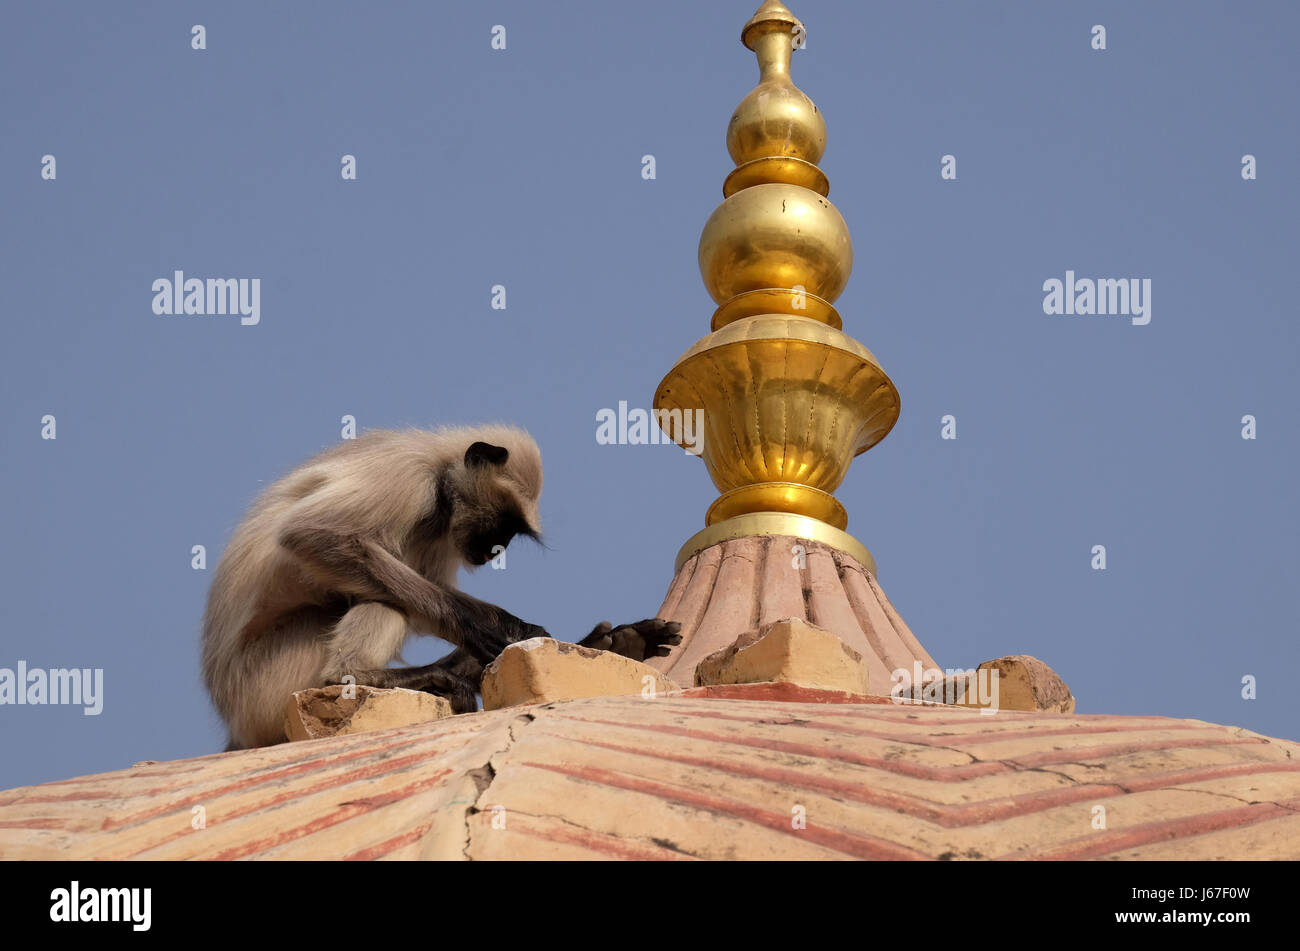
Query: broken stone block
x=543 y=669
x=787 y=651
x=1024 y=683
x=324 y=711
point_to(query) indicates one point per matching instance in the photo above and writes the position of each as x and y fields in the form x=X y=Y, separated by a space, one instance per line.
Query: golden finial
x=788 y=398
x=776 y=120
x=776 y=137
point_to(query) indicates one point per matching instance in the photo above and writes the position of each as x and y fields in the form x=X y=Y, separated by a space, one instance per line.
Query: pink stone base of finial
x=742 y=584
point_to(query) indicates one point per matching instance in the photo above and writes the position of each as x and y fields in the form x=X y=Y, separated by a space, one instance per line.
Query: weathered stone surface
x=323 y=711
x=1024 y=683
x=697 y=775
x=779 y=692
x=543 y=669
x=786 y=651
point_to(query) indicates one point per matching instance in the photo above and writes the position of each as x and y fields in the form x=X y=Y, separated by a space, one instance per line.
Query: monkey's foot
x=653 y=637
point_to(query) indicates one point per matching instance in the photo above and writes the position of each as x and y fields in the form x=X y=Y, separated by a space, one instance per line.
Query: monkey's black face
x=486 y=541
x=491 y=493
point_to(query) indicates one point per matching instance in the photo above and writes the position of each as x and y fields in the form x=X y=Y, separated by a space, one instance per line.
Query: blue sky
x=521 y=167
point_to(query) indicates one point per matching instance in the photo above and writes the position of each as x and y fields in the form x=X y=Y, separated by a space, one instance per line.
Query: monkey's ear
x=482 y=453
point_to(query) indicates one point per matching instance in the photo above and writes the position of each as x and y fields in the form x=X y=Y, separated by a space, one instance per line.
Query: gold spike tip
x=771 y=16
x=776 y=119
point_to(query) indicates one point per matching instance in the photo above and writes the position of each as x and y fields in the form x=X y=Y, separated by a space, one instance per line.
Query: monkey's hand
x=653 y=637
x=525 y=632
x=507 y=630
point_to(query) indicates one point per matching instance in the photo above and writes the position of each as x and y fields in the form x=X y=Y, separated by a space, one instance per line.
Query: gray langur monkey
x=337 y=563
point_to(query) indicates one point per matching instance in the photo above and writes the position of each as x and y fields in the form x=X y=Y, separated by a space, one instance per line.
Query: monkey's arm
x=363 y=568
x=653 y=637
x=650 y=638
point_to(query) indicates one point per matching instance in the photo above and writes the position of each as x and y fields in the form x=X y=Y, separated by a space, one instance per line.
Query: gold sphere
x=775 y=235
x=776 y=119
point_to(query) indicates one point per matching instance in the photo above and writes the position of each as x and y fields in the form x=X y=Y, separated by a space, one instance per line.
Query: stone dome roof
x=740 y=772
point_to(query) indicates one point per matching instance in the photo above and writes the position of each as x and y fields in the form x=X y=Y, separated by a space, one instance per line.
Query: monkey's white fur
x=271 y=627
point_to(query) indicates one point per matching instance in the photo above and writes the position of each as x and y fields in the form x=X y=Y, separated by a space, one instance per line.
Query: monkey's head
x=495 y=489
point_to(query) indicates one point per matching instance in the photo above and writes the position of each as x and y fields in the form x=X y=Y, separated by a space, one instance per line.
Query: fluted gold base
x=786 y=400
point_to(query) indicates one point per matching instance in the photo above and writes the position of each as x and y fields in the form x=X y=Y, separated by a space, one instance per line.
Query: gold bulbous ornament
x=775 y=235
x=776 y=118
